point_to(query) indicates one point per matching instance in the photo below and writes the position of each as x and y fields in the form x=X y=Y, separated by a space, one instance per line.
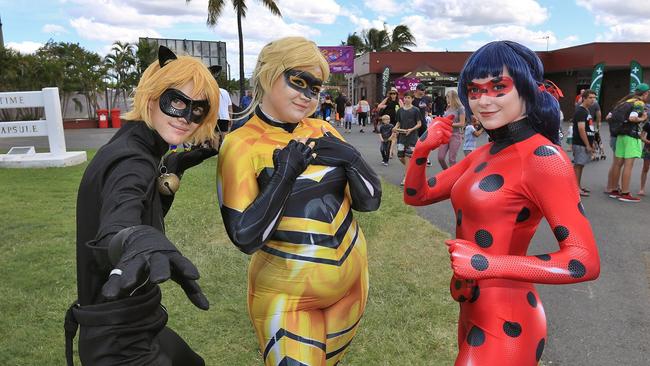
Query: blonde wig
x=278 y=56
x=454 y=100
x=176 y=73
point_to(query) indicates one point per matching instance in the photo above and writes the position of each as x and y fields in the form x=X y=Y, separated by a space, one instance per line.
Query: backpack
x=617 y=118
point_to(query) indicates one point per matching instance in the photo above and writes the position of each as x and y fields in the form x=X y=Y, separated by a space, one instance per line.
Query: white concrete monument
x=52 y=127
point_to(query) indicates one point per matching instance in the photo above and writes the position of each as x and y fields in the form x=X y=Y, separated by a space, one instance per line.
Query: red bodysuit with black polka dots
x=500 y=192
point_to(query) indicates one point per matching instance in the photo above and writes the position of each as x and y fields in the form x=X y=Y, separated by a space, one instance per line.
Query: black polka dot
x=476 y=291
x=483 y=238
x=476 y=337
x=491 y=183
x=459 y=217
x=576 y=268
x=458 y=284
x=512 y=329
x=479 y=262
x=544 y=257
x=545 y=151
x=532 y=300
x=561 y=232
x=540 y=349
x=411 y=191
x=462 y=298
x=523 y=215
x=420 y=161
x=480 y=167
x=432 y=181
x=424 y=136
x=581 y=208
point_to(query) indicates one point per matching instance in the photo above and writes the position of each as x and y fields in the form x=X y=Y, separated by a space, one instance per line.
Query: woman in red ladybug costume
x=500 y=192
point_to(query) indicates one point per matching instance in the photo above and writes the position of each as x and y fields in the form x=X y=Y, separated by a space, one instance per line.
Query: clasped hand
x=468 y=261
x=332 y=151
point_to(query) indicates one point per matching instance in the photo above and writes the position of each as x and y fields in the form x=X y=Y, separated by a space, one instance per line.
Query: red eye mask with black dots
x=496 y=87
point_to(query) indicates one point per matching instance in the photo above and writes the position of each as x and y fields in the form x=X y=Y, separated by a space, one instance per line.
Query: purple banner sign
x=405 y=84
x=340 y=58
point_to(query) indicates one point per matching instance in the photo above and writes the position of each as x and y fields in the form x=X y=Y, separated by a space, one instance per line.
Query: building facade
x=569 y=68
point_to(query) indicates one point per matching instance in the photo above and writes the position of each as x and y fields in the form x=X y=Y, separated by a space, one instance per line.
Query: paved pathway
x=606 y=322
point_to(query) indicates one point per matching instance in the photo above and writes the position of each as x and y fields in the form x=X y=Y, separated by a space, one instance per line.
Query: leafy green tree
x=215 y=8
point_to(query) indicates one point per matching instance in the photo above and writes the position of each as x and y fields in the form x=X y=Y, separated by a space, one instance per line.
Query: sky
x=438 y=25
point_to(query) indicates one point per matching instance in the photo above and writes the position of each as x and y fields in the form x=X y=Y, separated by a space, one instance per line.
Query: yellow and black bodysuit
x=308 y=275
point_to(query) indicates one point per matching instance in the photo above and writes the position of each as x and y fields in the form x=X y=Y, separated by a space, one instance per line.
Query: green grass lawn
x=410 y=318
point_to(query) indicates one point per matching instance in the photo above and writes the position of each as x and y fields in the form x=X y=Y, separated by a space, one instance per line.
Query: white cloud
x=319 y=11
x=54 y=28
x=626 y=21
x=91 y=29
x=362 y=24
x=24 y=47
x=427 y=31
x=387 y=7
x=471 y=12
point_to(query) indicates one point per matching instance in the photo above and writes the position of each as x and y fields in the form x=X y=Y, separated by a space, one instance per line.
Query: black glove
x=141 y=251
x=179 y=162
x=292 y=160
x=332 y=151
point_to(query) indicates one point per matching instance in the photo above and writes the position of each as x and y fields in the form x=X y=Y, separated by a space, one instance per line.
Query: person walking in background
x=389 y=106
x=374 y=117
x=624 y=122
x=363 y=108
x=224 y=123
x=328 y=109
x=583 y=137
x=472 y=132
x=341 y=102
x=645 y=137
x=440 y=105
x=385 y=137
x=408 y=123
x=454 y=107
x=347 y=117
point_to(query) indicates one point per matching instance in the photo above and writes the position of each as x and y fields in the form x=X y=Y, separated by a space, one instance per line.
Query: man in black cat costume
x=122 y=251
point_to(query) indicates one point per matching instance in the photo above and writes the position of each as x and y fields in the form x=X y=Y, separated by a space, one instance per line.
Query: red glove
x=437 y=134
x=468 y=261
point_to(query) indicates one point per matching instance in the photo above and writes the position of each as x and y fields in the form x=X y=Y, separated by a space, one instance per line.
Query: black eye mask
x=304 y=82
x=175 y=103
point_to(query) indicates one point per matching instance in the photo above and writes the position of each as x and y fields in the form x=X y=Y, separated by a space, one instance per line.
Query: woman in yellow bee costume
x=286 y=187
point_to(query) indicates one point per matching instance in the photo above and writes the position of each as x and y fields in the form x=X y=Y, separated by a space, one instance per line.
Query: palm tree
x=400 y=38
x=215 y=7
x=375 y=40
x=121 y=63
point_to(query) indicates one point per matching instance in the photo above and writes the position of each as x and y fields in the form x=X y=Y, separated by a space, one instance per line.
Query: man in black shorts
x=408 y=122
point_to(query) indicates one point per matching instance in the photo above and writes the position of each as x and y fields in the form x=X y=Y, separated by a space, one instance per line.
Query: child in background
x=472 y=132
x=385 y=136
x=348 y=116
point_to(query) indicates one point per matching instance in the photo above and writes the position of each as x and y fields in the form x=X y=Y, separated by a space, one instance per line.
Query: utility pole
x=2 y=42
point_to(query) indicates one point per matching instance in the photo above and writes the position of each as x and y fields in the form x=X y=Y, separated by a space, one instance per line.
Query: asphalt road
x=601 y=323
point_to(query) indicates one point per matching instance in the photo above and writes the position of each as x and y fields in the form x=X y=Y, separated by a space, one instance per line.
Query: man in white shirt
x=224 y=122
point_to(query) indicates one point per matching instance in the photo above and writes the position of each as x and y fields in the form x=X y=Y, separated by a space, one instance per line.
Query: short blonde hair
x=278 y=56
x=176 y=73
